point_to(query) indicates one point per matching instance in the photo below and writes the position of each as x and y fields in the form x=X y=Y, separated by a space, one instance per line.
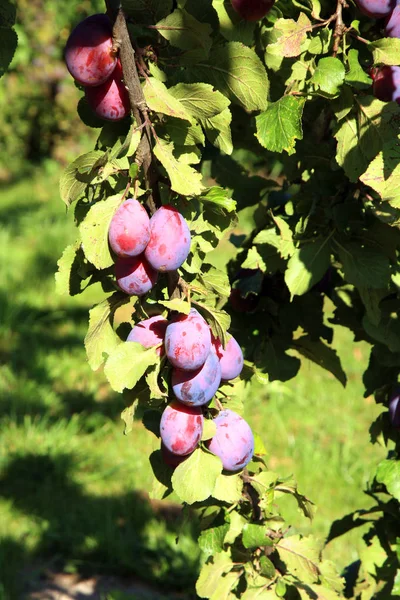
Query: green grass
x=73 y=488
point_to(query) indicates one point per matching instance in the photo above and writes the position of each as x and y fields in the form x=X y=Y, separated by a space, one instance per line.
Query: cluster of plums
x=199 y=364
x=386 y=86
x=144 y=247
x=93 y=63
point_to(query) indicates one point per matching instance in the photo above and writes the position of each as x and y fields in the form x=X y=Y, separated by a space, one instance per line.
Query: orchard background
x=299 y=184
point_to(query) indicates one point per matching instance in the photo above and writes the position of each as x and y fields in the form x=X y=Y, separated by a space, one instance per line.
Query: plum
x=88 y=52
x=230 y=358
x=129 y=230
x=394 y=408
x=169 y=243
x=149 y=333
x=376 y=8
x=181 y=428
x=233 y=441
x=392 y=28
x=134 y=275
x=171 y=459
x=110 y=100
x=188 y=341
x=252 y=10
x=386 y=86
x=196 y=388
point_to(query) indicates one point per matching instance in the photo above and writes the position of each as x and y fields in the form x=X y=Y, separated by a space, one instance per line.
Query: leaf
x=237 y=72
x=181 y=133
x=185 y=32
x=176 y=304
x=388 y=473
x=255 y=536
x=127 y=363
x=8 y=13
x=8 y=46
x=218 y=320
x=364 y=266
x=275 y=361
x=217 y=281
x=194 y=479
x=72 y=182
x=209 y=429
x=128 y=415
x=220 y=197
x=231 y=26
x=160 y=100
x=211 y=541
x=218 y=131
x=356 y=76
x=228 y=488
x=147 y=12
x=184 y=179
x=307 y=266
x=383 y=173
x=236 y=524
x=101 y=338
x=322 y=355
x=94 y=232
x=200 y=100
x=211 y=573
x=291 y=34
x=67 y=280
x=301 y=557
x=280 y=125
x=386 y=51
x=329 y=75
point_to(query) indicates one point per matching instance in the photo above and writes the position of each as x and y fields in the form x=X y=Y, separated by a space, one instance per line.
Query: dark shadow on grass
x=114 y=534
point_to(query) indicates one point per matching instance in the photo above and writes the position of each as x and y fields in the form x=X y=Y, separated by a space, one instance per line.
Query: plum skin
x=392 y=28
x=188 y=341
x=170 y=239
x=386 y=86
x=150 y=333
x=196 y=388
x=110 y=100
x=170 y=459
x=376 y=8
x=88 y=52
x=394 y=409
x=252 y=10
x=181 y=428
x=129 y=231
x=233 y=441
x=134 y=275
x=230 y=358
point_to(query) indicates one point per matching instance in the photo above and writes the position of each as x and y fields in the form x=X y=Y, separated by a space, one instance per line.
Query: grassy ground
x=71 y=485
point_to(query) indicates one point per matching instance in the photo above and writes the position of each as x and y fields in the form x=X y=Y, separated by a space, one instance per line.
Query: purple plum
x=233 y=441
x=392 y=28
x=181 y=428
x=150 y=333
x=110 y=100
x=196 y=388
x=188 y=341
x=230 y=358
x=386 y=86
x=252 y=10
x=376 y=8
x=134 y=275
x=169 y=243
x=129 y=231
x=394 y=408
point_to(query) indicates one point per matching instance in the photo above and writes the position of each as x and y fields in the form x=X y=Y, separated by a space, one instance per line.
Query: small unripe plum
x=88 y=52
x=252 y=10
x=230 y=358
x=196 y=388
x=188 y=341
x=394 y=409
x=169 y=243
x=129 y=231
x=170 y=459
x=134 y=275
x=376 y=8
x=150 y=333
x=392 y=28
x=181 y=428
x=233 y=441
x=386 y=86
x=110 y=100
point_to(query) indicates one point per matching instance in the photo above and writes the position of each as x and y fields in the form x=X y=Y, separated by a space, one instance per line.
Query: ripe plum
x=110 y=100
x=386 y=86
x=376 y=8
x=149 y=333
x=129 y=231
x=169 y=243
x=230 y=358
x=181 y=428
x=134 y=275
x=392 y=28
x=233 y=441
x=196 y=388
x=188 y=341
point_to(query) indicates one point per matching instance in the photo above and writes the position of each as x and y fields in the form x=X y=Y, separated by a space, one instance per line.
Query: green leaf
x=209 y=429
x=307 y=266
x=236 y=524
x=320 y=43
x=101 y=338
x=211 y=574
x=231 y=26
x=128 y=416
x=218 y=320
x=67 y=280
x=291 y=36
x=185 y=32
x=301 y=557
x=216 y=281
x=211 y=541
x=194 y=479
x=181 y=133
x=94 y=232
x=255 y=536
x=237 y=72
x=127 y=364
x=220 y=197
x=388 y=473
x=72 y=182
x=386 y=51
x=181 y=306
x=147 y=12
x=329 y=75
x=356 y=76
x=8 y=13
x=228 y=488
x=184 y=179
x=275 y=361
x=200 y=100
x=8 y=46
x=280 y=125
x=364 y=266
x=383 y=173
x=322 y=355
x=160 y=100
x=218 y=131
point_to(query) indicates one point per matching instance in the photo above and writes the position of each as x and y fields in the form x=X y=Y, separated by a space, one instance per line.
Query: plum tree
x=196 y=388
x=386 y=86
x=252 y=10
x=88 y=52
x=394 y=408
x=150 y=333
x=188 y=341
x=233 y=441
x=181 y=428
x=110 y=100
x=134 y=275
x=230 y=358
x=169 y=243
x=129 y=231
x=376 y=8
x=392 y=28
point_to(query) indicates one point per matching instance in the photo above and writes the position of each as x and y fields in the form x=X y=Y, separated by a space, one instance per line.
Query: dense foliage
x=272 y=128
